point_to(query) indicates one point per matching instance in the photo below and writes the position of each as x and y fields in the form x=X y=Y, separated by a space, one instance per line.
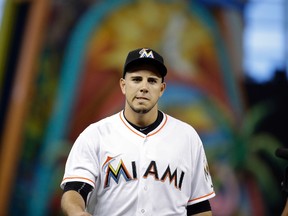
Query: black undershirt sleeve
x=198 y=208
x=81 y=187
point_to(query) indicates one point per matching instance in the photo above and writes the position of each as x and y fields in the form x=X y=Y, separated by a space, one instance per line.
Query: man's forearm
x=72 y=204
x=208 y=213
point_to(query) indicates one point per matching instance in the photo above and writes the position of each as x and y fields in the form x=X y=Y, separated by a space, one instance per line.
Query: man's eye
x=136 y=79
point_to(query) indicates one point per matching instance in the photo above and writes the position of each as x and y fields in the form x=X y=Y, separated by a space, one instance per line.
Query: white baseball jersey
x=132 y=174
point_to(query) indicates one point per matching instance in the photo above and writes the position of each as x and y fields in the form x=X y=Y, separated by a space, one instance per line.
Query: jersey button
x=145 y=188
x=142 y=211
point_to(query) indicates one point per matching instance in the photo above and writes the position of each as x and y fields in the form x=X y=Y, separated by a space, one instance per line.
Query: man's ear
x=163 y=87
x=122 y=85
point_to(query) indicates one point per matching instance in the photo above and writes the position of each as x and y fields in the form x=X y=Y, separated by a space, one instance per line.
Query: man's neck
x=139 y=119
x=147 y=129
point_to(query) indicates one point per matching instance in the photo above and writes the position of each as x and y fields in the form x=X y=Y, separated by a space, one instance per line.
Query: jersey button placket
x=142 y=191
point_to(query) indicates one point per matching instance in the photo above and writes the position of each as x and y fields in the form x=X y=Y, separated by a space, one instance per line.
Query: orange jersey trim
x=201 y=197
x=166 y=118
x=69 y=178
x=124 y=122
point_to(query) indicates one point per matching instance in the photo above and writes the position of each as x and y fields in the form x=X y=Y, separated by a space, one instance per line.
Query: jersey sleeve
x=81 y=164
x=202 y=186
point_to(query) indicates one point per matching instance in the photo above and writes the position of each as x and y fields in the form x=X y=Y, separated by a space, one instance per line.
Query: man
x=139 y=161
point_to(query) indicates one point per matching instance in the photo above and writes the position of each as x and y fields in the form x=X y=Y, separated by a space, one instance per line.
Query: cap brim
x=150 y=61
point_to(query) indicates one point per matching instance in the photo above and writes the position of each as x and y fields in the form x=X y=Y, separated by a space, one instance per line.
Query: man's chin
x=141 y=111
x=140 y=108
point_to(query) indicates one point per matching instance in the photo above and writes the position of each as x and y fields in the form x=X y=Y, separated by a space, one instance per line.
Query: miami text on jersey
x=152 y=170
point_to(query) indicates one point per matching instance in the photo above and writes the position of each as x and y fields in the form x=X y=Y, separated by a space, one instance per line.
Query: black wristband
x=81 y=187
x=199 y=207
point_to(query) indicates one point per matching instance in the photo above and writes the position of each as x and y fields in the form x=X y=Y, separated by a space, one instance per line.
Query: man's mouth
x=141 y=98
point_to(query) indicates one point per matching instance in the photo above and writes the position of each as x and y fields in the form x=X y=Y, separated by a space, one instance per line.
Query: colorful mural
x=77 y=84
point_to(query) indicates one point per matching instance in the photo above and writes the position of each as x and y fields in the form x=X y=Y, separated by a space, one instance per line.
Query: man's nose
x=144 y=87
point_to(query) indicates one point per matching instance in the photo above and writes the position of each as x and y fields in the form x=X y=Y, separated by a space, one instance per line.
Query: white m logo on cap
x=143 y=54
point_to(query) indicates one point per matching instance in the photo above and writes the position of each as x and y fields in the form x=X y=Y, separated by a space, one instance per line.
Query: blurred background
x=60 y=62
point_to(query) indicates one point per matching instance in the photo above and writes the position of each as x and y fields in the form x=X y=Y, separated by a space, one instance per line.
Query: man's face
x=142 y=88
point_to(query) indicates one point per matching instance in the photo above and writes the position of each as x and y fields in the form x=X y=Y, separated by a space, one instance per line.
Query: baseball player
x=139 y=161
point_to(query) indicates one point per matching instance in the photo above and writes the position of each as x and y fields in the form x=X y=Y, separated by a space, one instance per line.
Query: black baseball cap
x=145 y=56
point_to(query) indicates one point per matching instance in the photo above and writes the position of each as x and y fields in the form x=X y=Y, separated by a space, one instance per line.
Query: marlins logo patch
x=115 y=174
x=144 y=54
